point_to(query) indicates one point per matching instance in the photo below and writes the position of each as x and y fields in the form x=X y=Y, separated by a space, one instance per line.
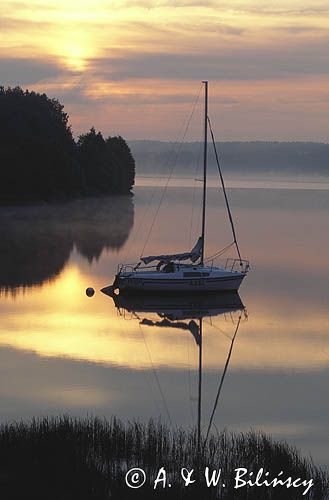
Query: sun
x=75 y=57
x=74 y=49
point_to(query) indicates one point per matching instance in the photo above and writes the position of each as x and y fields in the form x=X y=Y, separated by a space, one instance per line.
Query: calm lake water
x=62 y=352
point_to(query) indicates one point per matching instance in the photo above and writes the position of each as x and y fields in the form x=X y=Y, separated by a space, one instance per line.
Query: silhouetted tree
x=122 y=163
x=40 y=160
x=91 y=157
x=37 y=150
x=107 y=166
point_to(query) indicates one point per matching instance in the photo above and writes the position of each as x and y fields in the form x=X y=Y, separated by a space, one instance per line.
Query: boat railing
x=215 y=261
x=126 y=268
x=130 y=268
x=237 y=265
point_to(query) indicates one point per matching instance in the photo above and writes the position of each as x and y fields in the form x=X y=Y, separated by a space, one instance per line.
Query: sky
x=134 y=67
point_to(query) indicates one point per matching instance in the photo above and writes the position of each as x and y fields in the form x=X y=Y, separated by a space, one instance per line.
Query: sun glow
x=74 y=48
x=64 y=323
x=75 y=56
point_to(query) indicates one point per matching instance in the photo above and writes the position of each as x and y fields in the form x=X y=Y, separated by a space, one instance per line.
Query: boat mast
x=199 y=397
x=204 y=169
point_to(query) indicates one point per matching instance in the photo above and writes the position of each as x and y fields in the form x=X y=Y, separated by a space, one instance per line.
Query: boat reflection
x=185 y=312
x=173 y=309
x=177 y=306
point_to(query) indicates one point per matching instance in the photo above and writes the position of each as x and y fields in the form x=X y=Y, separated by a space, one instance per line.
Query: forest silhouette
x=40 y=160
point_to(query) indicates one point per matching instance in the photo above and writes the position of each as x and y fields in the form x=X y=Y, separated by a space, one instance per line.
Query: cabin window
x=192 y=274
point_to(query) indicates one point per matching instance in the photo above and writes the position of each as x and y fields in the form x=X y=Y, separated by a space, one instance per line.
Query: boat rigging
x=171 y=273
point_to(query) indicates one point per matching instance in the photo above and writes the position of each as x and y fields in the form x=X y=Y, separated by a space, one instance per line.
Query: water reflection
x=178 y=311
x=61 y=352
x=37 y=240
x=187 y=313
x=178 y=306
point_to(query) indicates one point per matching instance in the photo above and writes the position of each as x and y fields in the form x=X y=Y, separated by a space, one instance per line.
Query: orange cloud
x=267 y=63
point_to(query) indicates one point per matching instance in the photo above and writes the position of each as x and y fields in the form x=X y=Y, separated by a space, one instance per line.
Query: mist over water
x=240 y=181
x=257 y=160
x=62 y=352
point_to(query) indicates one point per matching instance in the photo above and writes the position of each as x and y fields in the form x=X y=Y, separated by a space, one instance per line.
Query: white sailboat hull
x=190 y=286
x=217 y=280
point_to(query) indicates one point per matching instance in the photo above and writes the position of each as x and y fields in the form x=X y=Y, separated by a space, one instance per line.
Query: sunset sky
x=133 y=67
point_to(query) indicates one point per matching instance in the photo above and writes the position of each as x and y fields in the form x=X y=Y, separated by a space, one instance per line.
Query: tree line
x=293 y=158
x=40 y=160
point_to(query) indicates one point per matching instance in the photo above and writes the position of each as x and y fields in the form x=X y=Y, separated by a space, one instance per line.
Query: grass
x=66 y=459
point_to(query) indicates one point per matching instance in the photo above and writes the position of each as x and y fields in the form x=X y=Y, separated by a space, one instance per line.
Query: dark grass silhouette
x=64 y=458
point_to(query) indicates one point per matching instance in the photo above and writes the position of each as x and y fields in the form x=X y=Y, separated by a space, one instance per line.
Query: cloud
x=79 y=95
x=177 y=4
x=14 y=24
x=279 y=8
x=225 y=64
x=27 y=71
x=296 y=30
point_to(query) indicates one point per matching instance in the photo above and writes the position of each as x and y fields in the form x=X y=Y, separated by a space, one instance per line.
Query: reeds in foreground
x=65 y=458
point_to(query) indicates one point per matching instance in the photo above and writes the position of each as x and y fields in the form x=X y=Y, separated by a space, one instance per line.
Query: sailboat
x=188 y=271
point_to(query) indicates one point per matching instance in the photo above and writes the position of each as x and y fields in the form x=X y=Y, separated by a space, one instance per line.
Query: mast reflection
x=185 y=312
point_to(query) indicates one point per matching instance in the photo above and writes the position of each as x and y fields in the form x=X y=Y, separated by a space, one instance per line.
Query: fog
x=294 y=160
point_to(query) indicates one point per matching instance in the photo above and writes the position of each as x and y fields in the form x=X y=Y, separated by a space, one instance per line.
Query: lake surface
x=62 y=352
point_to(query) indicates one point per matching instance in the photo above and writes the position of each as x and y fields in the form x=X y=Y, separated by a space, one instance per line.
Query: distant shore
x=258 y=158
